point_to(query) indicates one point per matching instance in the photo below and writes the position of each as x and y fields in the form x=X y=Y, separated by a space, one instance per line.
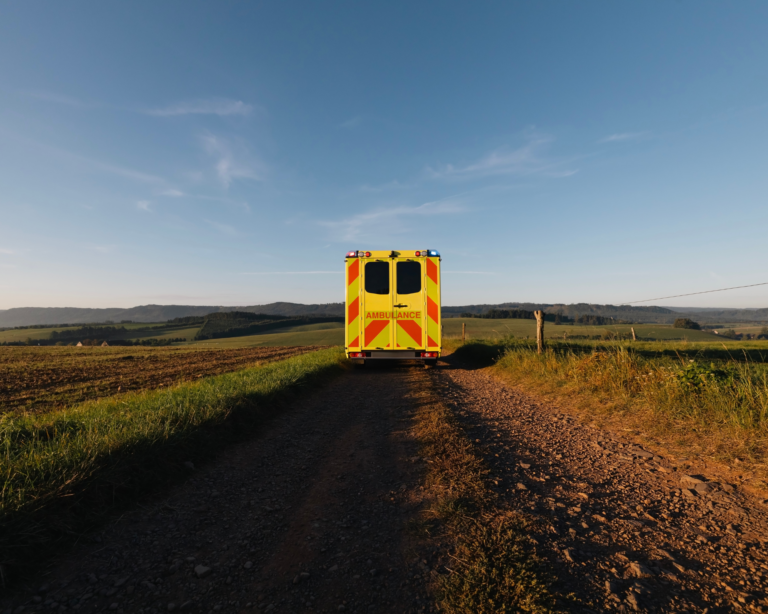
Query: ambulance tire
x=430 y=363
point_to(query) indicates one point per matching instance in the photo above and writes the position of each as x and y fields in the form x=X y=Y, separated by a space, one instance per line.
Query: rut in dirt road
x=625 y=530
x=310 y=516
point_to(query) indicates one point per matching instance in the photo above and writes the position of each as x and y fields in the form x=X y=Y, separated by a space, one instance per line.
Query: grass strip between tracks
x=688 y=403
x=493 y=567
x=65 y=470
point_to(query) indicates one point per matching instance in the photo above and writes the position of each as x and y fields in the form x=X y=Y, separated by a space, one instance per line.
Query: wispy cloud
x=210 y=106
x=295 y=273
x=102 y=249
x=388 y=220
x=59 y=99
x=384 y=187
x=223 y=228
x=173 y=193
x=6 y=251
x=526 y=160
x=97 y=165
x=353 y=122
x=128 y=173
x=622 y=136
x=230 y=166
x=143 y=205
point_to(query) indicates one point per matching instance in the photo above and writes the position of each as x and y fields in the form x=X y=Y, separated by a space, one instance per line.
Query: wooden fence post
x=634 y=336
x=463 y=331
x=539 y=330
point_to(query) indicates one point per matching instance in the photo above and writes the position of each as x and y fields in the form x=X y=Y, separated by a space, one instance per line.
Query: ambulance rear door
x=409 y=298
x=376 y=305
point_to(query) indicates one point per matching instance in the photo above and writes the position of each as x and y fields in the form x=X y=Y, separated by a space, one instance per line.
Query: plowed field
x=43 y=378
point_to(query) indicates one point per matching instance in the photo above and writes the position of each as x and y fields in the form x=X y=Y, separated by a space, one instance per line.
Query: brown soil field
x=39 y=379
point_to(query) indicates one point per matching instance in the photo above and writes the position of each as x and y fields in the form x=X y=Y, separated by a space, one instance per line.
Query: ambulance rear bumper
x=393 y=355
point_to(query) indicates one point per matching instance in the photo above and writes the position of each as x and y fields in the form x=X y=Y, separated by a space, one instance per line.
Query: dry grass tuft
x=494 y=570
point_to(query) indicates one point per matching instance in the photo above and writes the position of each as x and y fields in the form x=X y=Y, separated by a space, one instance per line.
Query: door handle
x=399 y=305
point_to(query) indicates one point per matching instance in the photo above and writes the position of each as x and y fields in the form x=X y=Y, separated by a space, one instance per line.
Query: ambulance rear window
x=377 y=277
x=408 y=277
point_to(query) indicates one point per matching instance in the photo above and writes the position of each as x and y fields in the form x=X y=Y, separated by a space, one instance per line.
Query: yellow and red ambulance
x=393 y=305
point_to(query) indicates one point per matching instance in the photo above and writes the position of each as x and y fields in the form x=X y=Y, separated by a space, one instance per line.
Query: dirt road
x=313 y=515
x=310 y=515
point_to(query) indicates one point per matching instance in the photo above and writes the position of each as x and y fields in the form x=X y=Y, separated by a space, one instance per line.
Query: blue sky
x=232 y=152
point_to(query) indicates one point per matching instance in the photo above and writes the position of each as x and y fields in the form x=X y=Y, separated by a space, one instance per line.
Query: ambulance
x=393 y=306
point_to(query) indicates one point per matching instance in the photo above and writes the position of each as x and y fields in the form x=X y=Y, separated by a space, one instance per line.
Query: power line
x=647 y=300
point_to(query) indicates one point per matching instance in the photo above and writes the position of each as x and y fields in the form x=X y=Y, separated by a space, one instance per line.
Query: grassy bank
x=64 y=470
x=493 y=567
x=706 y=400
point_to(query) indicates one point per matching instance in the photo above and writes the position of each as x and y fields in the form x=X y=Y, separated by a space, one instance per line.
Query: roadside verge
x=709 y=416
x=492 y=565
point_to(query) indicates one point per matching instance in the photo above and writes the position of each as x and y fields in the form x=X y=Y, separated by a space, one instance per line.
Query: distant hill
x=32 y=316
x=35 y=316
x=710 y=314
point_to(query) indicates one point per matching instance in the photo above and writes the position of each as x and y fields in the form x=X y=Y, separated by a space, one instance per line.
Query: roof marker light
x=351 y=254
x=367 y=254
x=432 y=252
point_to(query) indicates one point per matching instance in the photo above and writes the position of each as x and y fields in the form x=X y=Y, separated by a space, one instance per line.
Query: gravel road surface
x=627 y=531
x=312 y=515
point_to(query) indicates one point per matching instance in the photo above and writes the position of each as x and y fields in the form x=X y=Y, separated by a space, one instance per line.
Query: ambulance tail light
x=428 y=354
x=357 y=354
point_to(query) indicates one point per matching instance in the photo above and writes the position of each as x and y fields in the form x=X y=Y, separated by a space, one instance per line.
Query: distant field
x=478 y=328
x=332 y=333
x=164 y=333
x=311 y=334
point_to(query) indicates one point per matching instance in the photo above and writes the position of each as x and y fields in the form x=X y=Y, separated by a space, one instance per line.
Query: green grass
x=309 y=336
x=165 y=333
x=63 y=471
x=313 y=327
x=479 y=328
